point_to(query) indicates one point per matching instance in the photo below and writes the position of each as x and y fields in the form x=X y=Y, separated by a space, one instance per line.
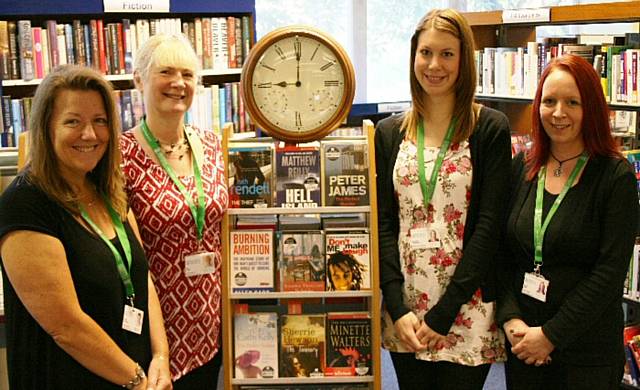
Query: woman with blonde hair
x=81 y=309
x=175 y=180
x=442 y=171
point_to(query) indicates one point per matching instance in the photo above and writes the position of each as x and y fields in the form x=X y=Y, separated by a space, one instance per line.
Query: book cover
x=302 y=345
x=256 y=345
x=298 y=177
x=14 y=68
x=348 y=344
x=345 y=173
x=301 y=261
x=252 y=265
x=5 y=59
x=250 y=176
x=348 y=260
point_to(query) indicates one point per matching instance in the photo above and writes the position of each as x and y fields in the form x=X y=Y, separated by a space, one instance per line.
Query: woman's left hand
x=430 y=337
x=534 y=347
x=159 y=377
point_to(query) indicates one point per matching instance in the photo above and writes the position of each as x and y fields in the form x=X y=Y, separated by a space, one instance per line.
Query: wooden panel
x=516 y=35
x=484 y=18
x=591 y=13
x=485 y=36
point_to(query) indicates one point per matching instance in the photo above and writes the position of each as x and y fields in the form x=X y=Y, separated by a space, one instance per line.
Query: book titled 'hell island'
x=298 y=177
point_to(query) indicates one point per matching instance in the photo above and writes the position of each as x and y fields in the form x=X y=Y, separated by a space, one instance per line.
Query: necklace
x=558 y=171
x=176 y=150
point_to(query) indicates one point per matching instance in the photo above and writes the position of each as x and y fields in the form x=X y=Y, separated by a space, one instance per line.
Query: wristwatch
x=136 y=380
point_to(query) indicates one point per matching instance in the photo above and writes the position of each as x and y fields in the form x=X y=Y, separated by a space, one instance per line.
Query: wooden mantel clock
x=298 y=84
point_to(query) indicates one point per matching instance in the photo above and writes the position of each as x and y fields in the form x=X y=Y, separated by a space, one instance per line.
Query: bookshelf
x=490 y=31
x=222 y=32
x=370 y=297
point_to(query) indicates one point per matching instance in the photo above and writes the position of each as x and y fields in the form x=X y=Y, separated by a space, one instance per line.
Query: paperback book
x=302 y=345
x=348 y=260
x=298 y=177
x=250 y=178
x=301 y=261
x=345 y=174
x=348 y=344
x=256 y=345
x=252 y=267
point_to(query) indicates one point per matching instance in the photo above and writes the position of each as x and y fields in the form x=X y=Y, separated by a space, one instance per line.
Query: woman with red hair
x=569 y=237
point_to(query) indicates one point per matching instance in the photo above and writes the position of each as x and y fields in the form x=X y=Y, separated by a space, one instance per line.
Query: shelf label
x=526 y=15
x=393 y=107
x=136 y=5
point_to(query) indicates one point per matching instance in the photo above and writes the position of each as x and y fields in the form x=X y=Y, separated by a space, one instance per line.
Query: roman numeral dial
x=298 y=83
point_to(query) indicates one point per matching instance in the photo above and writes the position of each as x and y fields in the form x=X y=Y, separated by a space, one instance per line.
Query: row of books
x=29 y=52
x=330 y=260
x=515 y=71
x=212 y=107
x=302 y=345
x=329 y=173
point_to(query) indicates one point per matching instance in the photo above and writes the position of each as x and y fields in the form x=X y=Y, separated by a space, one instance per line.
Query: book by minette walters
x=348 y=260
x=250 y=178
x=302 y=345
x=345 y=174
x=301 y=261
x=255 y=345
x=348 y=344
x=252 y=266
x=298 y=177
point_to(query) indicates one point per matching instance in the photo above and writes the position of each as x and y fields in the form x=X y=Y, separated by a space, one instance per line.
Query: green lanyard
x=428 y=188
x=125 y=273
x=196 y=210
x=538 y=228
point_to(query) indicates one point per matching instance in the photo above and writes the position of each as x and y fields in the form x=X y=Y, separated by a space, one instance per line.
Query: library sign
x=136 y=5
x=525 y=15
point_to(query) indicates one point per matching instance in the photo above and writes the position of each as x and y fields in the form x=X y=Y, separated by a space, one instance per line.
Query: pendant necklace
x=558 y=171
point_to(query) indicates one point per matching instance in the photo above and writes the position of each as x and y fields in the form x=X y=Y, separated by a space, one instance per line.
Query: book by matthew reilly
x=298 y=176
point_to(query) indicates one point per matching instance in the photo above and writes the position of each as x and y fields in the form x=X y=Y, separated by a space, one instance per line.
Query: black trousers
x=202 y=378
x=560 y=376
x=423 y=375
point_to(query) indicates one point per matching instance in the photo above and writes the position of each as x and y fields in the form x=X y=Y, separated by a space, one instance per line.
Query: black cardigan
x=490 y=157
x=586 y=252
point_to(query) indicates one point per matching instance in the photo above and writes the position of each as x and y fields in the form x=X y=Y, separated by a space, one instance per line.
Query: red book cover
x=36 y=34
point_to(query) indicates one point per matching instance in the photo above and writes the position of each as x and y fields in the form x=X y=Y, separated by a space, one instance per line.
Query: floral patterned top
x=474 y=338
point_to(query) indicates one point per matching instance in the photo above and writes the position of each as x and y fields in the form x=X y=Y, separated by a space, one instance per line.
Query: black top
x=490 y=157
x=35 y=361
x=586 y=252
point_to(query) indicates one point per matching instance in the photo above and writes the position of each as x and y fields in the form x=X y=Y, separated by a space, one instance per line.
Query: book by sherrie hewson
x=348 y=344
x=348 y=260
x=302 y=345
x=256 y=345
x=345 y=173
x=298 y=176
x=252 y=266
x=250 y=178
x=301 y=261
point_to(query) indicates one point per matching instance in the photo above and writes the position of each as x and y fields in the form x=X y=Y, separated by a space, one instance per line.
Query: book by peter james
x=302 y=345
x=348 y=344
x=345 y=173
x=255 y=345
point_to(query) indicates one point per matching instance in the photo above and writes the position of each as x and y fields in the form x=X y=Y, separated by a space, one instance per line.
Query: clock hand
x=284 y=84
x=298 y=48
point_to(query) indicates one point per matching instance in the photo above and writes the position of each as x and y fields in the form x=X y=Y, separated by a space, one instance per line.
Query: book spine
x=78 y=43
x=68 y=37
x=54 y=54
x=231 y=42
x=25 y=45
x=88 y=49
x=12 y=29
x=36 y=36
x=5 y=57
x=127 y=38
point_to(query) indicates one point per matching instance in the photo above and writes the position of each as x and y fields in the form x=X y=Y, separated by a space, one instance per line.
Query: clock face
x=300 y=85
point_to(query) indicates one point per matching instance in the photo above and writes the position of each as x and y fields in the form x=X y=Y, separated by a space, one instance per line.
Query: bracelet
x=136 y=380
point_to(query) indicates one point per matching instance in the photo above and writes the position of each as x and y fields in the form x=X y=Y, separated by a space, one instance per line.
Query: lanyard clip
x=130 y=300
x=536 y=270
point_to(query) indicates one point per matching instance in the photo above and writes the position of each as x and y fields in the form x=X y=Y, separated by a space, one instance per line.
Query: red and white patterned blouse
x=190 y=305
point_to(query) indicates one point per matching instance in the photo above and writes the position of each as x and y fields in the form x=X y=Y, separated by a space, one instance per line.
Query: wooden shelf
x=311 y=210
x=302 y=294
x=305 y=381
